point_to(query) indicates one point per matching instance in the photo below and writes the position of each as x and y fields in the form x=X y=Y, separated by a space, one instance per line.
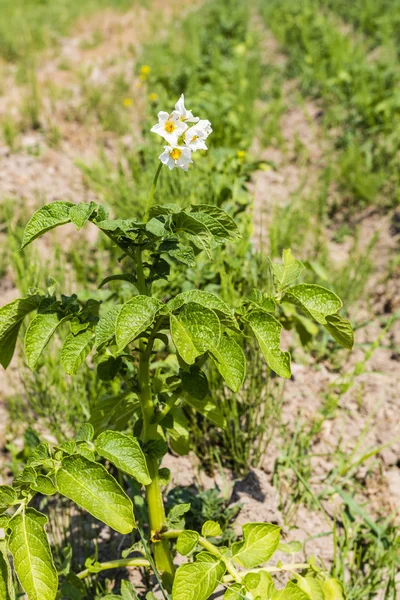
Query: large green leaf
x=230 y=361
x=135 y=317
x=332 y=589
x=196 y=231
x=341 y=330
x=260 y=541
x=314 y=300
x=6 y=582
x=11 y=317
x=125 y=453
x=38 y=335
x=209 y=301
x=219 y=215
x=287 y=273
x=105 y=328
x=268 y=332
x=91 y=486
x=195 y=330
x=198 y=580
x=46 y=218
x=236 y=591
x=33 y=561
x=75 y=349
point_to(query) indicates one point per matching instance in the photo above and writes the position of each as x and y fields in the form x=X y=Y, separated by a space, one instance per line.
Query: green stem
x=214 y=550
x=152 y=192
x=116 y=564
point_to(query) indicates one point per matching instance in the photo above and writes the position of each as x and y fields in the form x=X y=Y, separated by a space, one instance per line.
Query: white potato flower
x=169 y=126
x=195 y=136
x=184 y=114
x=176 y=156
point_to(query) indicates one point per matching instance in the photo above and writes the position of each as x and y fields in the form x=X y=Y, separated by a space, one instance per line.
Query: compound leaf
x=46 y=218
x=311 y=586
x=105 y=328
x=211 y=529
x=260 y=542
x=291 y=592
x=91 y=486
x=125 y=453
x=267 y=331
x=196 y=231
x=8 y=497
x=31 y=552
x=314 y=300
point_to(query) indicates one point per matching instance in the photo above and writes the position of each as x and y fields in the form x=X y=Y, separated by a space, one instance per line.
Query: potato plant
x=158 y=351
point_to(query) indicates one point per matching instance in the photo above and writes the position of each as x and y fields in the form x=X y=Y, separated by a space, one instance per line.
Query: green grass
x=27 y=26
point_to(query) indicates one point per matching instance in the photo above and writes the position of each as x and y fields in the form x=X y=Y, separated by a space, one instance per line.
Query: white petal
x=162 y=116
x=166 y=158
x=180 y=105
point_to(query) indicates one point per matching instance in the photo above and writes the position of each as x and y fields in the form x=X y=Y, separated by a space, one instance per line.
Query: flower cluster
x=182 y=139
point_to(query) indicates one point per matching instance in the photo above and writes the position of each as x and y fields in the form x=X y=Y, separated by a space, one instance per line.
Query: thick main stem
x=155 y=504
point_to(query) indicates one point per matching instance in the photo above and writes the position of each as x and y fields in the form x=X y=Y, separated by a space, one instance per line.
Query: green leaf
x=6 y=581
x=195 y=383
x=44 y=485
x=11 y=316
x=114 y=410
x=291 y=592
x=208 y=409
x=314 y=300
x=8 y=497
x=46 y=218
x=134 y=318
x=75 y=350
x=268 y=331
x=164 y=476
x=198 y=580
x=105 y=328
x=128 y=591
x=209 y=301
x=260 y=542
x=311 y=586
x=195 y=330
x=156 y=227
x=287 y=273
x=290 y=547
x=125 y=453
x=211 y=529
x=33 y=561
x=332 y=589
x=341 y=330
x=187 y=542
x=81 y=213
x=109 y=368
x=179 y=432
x=220 y=215
x=260 y=584
x=181 y=253
x=119 y=277
x=217 y=230
x=85 y=433
x=39 y=333
x=230 y=361
x=91 y=486
x=196 y=231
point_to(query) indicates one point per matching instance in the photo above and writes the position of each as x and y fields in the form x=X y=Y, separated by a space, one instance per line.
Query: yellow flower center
x=194 y=138
x=175 y=154
x=170 y=126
